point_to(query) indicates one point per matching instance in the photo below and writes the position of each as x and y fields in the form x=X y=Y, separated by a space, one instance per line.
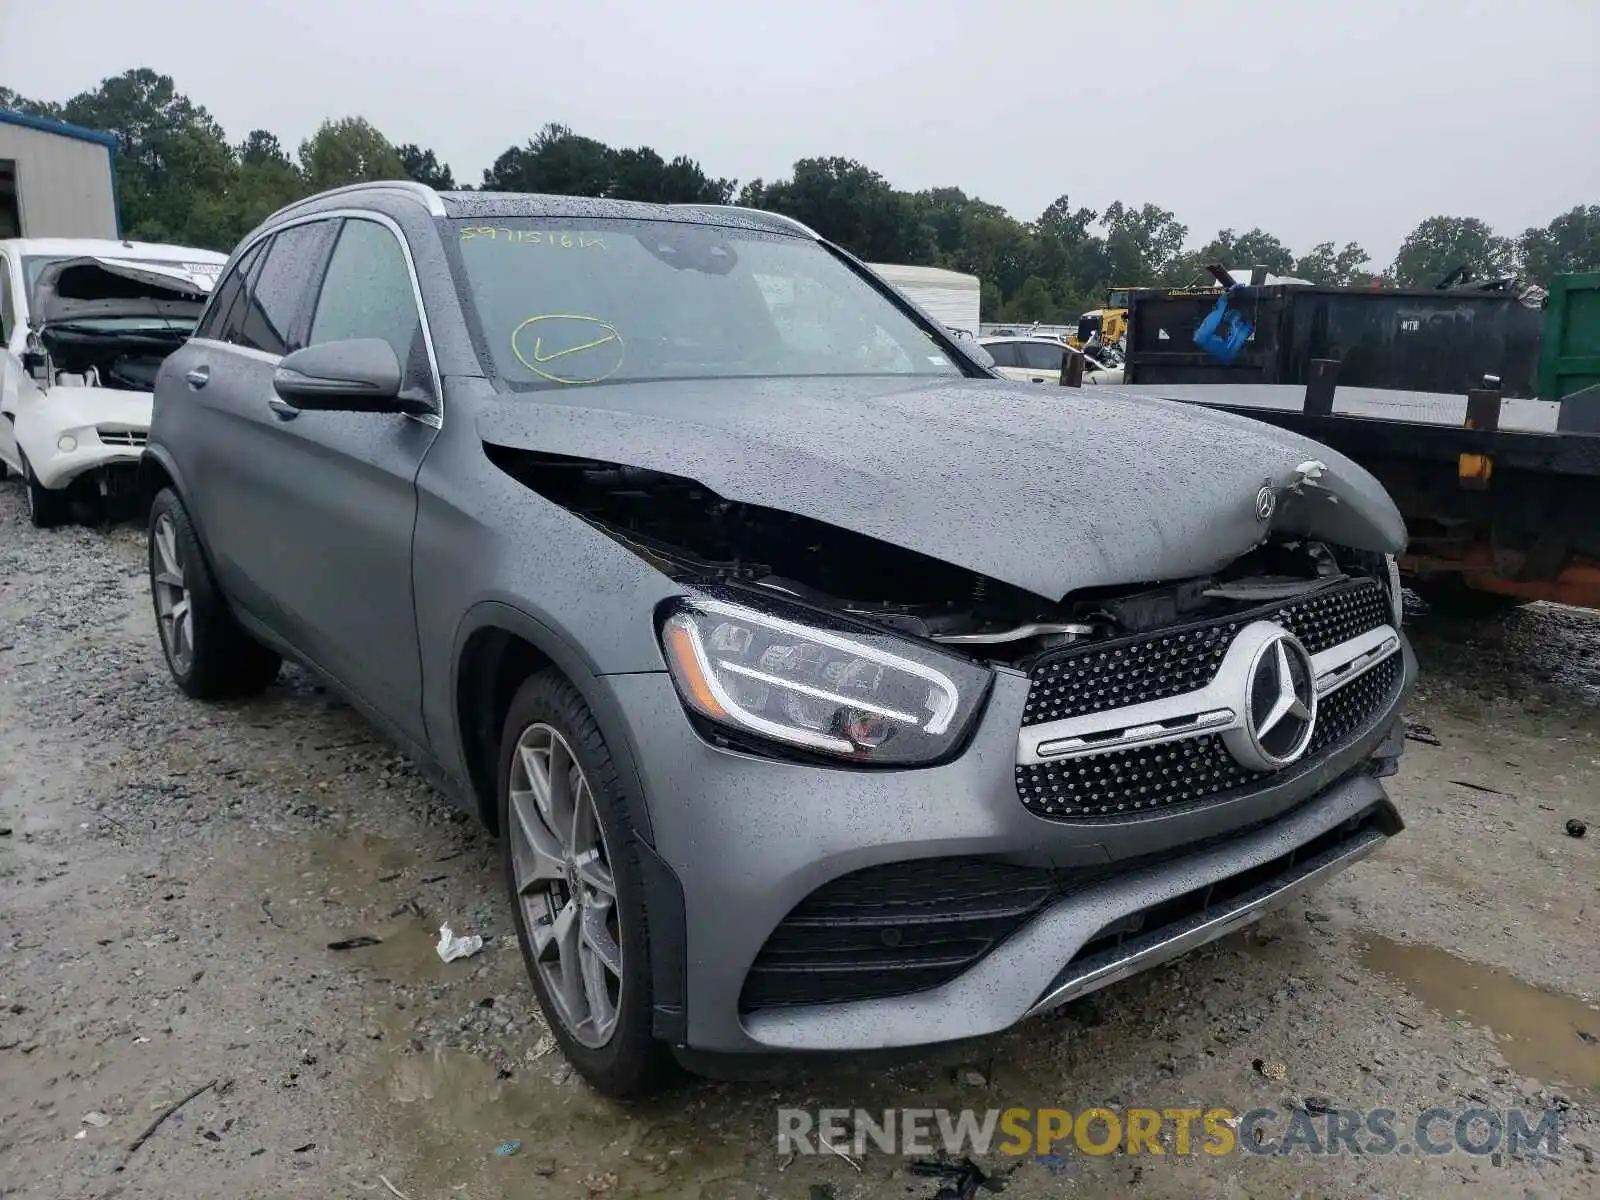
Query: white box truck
x=948 y=296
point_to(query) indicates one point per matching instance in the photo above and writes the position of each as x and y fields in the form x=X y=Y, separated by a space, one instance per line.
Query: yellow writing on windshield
x=568 y=348
x=561 y=240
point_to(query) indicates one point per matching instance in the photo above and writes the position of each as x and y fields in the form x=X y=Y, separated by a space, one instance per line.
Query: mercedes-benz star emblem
x=1280 y=704
x=1266 y=502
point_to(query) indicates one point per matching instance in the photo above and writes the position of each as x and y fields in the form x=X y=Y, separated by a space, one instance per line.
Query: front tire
x=209 y=655
x=576 y=888
x=46 y=509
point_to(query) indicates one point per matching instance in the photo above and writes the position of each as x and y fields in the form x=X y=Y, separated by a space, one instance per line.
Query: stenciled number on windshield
x=568 y=348
x=533 y=237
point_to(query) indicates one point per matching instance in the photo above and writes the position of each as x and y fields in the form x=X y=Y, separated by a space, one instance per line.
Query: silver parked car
x=828 y=692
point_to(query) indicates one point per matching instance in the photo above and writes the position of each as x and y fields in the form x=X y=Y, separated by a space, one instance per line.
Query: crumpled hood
x=73 y=289
x=1048 y=489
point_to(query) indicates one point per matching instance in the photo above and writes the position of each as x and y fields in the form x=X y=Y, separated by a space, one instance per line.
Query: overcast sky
x=1346 y=121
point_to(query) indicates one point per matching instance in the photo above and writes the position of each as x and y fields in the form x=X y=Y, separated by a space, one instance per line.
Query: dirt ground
x=171 y=876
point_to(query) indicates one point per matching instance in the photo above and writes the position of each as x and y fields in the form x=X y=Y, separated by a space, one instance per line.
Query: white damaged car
x=86 y=325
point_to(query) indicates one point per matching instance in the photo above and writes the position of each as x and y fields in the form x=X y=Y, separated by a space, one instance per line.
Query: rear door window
x=1041 y=356
x=214 y=323
x=1003 y=353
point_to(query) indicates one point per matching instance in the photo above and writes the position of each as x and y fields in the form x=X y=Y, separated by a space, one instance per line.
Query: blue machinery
x=1224 y=331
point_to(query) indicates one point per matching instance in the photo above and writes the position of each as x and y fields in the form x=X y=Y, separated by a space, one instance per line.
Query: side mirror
x=359 y=375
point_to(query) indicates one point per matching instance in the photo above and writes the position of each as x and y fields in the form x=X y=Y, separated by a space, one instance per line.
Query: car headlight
x=830 y=687
x=1397 y=596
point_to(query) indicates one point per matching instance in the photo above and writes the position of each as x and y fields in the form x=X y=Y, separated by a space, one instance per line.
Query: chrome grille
x=1123 y=783
x=122 y=437
x=1170 y=662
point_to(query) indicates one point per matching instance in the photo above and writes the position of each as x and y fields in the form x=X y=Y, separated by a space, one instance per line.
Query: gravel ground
x=172 y=875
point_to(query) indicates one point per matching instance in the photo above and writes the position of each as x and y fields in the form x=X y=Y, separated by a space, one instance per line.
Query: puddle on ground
x=352 y=854
x=450 y=1108
x=1537 y=1031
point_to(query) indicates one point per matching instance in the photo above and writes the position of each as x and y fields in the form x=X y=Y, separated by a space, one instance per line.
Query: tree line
x=180 y=180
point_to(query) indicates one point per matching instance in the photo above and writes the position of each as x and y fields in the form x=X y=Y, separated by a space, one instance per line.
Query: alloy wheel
x=174 y=611
x=564 y=882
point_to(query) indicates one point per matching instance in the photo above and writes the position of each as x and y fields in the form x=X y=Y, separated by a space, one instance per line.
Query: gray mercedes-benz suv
x=828 y=692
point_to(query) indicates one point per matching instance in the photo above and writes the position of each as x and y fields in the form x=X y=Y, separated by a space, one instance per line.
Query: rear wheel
x=209 y=655
x=46 y=509
x=576 y=888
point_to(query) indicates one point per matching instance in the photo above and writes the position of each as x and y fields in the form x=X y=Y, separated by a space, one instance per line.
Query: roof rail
x=782 y=218
x=420 y=191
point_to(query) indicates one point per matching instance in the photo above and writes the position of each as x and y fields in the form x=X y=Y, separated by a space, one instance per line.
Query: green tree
x=1239 y=252
x=425 y=167
x=641 y=174
x=174 y=167
x=559 y=162
x=348 y=150
x=1139 y=243
x=1441 y=245
x=1033 y=303
x=1065 y=252
x=17 y=102
x=1568 y=245
x=853 y=205
x=555 y=161
x=265 y=181
x=1342 y=268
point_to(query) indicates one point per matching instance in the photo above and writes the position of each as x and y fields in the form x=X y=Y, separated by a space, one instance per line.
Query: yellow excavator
x=1110 y=322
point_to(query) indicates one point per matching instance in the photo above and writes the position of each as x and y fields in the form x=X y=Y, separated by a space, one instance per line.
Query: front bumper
x=749 y=838
x=64 y=468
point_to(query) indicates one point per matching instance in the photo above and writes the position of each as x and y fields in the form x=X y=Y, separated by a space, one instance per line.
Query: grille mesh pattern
x=1123 y=783
x=1174 y=661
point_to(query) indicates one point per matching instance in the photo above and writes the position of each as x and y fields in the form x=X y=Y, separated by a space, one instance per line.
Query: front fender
x=159 y=469
x=576 y=666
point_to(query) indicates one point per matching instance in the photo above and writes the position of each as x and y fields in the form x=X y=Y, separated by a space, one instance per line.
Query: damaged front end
x=1119 y=672
x=691 y=534
x=99 y=331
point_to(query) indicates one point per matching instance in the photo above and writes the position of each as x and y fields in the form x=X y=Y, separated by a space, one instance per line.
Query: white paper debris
x=98 y=1119
x=451 y=947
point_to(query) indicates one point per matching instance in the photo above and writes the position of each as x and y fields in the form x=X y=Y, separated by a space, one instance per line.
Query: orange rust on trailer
x=1475 y=471
x=1578 y=583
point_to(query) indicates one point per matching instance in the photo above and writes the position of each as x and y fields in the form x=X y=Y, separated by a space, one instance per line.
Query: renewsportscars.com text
x=1216 y=1130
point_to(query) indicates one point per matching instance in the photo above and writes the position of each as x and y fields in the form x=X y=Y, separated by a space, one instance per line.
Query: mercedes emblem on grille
x=1280 y=704
x=1266 y=502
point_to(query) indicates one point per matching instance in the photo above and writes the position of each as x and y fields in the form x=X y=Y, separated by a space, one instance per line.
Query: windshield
x=567 y=302
x=33 y=266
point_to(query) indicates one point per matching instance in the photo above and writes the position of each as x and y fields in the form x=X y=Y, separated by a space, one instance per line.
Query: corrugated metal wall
x=63 y=184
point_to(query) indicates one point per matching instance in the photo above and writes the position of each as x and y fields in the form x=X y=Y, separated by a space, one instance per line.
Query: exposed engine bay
x=127 y=361
x=688 y=532
x=105 y=323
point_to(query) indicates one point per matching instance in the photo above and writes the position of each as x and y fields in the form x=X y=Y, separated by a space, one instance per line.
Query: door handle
x=197 y=377
x=282 y=408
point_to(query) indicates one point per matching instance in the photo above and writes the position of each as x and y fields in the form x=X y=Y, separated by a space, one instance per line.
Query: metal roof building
x=56 y=179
